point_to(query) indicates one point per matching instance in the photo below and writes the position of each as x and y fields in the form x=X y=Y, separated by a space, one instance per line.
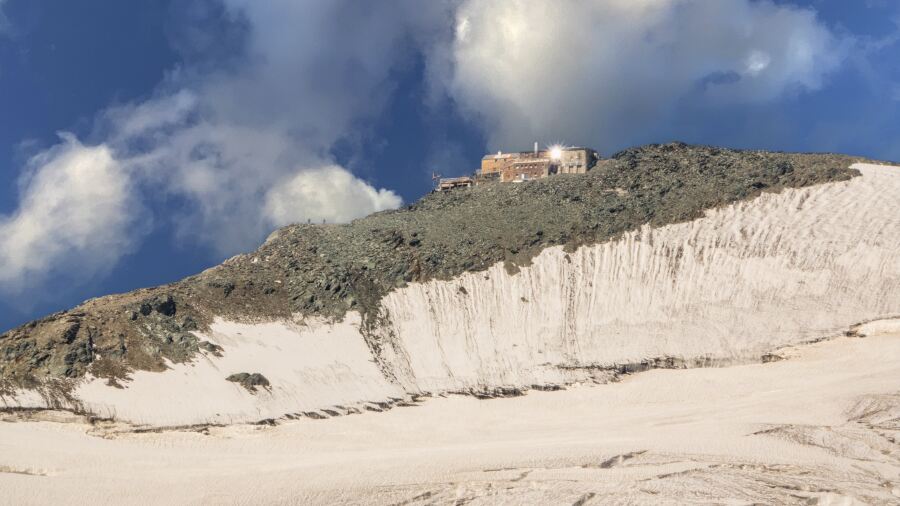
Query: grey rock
x=250 y=381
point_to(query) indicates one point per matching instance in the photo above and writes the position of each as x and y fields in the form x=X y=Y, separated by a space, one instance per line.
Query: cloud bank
x=233 y=142
x=606 y=70
x=237 y=140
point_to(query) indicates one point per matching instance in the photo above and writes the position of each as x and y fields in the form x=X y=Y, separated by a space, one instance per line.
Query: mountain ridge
x=328 y=270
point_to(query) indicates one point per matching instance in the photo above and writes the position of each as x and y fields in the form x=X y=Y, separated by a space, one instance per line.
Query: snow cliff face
x=780 y=269
x=738 y=283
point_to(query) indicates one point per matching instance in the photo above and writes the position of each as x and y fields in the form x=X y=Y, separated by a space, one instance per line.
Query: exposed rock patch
x=250 y=381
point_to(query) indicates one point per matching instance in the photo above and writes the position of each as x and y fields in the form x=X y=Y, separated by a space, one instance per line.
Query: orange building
x=526 y=165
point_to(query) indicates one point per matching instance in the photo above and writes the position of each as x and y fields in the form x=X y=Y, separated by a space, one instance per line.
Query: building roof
x=502 y=155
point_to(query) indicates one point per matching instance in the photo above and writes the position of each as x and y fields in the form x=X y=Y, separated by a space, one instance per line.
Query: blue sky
x=191 y=129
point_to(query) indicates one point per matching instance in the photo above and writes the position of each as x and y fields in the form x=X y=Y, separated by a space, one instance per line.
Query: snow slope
x=819 y=428
x=742 y=281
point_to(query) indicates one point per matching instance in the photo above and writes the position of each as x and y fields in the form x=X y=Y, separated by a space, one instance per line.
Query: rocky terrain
x=328 y=270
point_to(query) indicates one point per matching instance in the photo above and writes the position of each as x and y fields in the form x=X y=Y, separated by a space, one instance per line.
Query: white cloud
x=152 y=117
x=329 y=194
x=226 y=140
x=604 y=70
x=75 y=210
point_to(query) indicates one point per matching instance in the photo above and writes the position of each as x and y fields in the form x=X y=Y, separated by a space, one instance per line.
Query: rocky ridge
x=328 y=270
